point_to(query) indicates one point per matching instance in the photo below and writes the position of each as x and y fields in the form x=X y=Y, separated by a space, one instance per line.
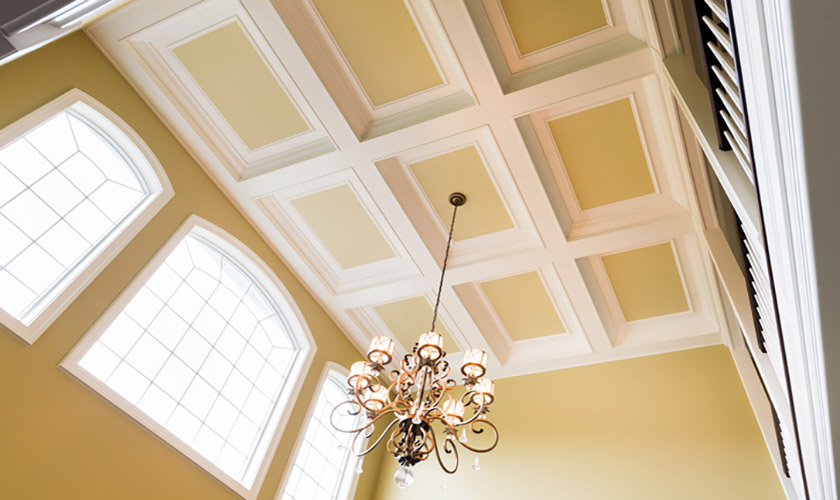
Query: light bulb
x=403 y=477
x=475 y=465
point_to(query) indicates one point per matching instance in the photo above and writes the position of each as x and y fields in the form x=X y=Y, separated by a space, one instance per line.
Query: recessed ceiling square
x=463 y=170
x=339 y=220
x=231 y=72
x=382 y=45
x=646 y=282
x=409 y=318
x=524 y=306
x=537 y=24
x=603 y=155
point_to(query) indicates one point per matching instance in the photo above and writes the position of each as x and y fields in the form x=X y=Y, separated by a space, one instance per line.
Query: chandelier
x=415 y=402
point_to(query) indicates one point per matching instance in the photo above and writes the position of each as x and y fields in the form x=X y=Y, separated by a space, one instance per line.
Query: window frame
x=128 y=142
x=349 y=483
x=282 y=300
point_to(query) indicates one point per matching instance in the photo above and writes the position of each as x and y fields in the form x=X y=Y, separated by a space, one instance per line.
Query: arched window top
x=324 y=465
x=204 y=348
x=75 y=184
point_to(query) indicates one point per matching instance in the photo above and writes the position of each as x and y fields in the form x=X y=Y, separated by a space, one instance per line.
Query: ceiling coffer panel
x=440 y=175
x=532 y=41
x=605 y=159
x=230 y=71
x=647 y=282
x=387 y=64
x=213 y=64
x=602 y=154
x=495 y=220
x=340 y=222
x=524 y=306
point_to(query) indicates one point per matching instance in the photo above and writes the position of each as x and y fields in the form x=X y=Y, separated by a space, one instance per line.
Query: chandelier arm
x=480 y=431
x=370 y=421
x=443 y=269
x=376 y=443
x=448 y=448
x=444 y=391
x=478 y=413
x=351 y=413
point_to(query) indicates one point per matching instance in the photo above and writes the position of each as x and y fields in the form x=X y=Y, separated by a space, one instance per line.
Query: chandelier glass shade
x=412 y=409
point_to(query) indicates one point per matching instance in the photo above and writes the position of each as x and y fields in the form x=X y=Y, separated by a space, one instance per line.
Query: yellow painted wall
x=58 y=439
x=672 y=426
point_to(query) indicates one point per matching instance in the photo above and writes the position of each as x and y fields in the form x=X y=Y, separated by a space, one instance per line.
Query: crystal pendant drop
x=444 y=485
x=403 y=477
x=463 y=437
x=358 y=468
x=416 y=420
x=475 y=465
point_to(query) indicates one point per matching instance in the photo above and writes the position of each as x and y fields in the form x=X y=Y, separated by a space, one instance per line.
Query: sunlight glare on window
x=203 y=351
x=324 y=460
x=63 y=189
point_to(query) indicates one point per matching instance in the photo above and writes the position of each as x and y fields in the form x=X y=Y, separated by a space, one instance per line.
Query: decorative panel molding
x=392 y=263
x=603 y=29
x=666 y=187
x=572 y=341
x=361 y=83
x=698 y=317
x=171 y=53
x=497 y=193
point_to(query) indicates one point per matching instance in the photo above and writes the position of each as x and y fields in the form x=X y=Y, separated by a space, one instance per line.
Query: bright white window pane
x=58 y=191
x=89 y=221
x=30 y=214
x=65 y=188
x=54 y=139
x=14 y=241
x=184 y=365
x=324 y=461
x=128 y=382
x=35 y=268
x=24 y=161
x=156 y=403
x=63 y=244
x=107 y=159
x=101 y=361
x=10 y=186
x=82 y=173
x=115 y=199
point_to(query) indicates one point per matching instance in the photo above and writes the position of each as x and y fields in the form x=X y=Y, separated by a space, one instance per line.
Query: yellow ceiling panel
x=523 y=305
x=603 y=155
x=408 y=318
x=229 y=70
x=382 y=45
x=537 y=24
x=340 y=221
x=647 y=282
x=463 y=170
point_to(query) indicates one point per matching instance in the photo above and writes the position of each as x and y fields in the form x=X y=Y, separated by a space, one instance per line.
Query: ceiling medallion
x=418 y=395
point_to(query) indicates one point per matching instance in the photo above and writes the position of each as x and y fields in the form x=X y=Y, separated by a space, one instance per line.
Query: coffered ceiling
x=340 y=128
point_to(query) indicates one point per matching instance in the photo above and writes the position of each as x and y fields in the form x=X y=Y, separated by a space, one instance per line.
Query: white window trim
x=140 y=155
x=350 y=480
x=281 y=298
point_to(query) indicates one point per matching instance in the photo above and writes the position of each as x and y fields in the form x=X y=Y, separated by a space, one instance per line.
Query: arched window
x=204 y=348
x=76 y=183
x=323 y=465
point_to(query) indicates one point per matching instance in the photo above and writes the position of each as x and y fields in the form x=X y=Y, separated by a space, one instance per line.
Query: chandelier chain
x=443 y=270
